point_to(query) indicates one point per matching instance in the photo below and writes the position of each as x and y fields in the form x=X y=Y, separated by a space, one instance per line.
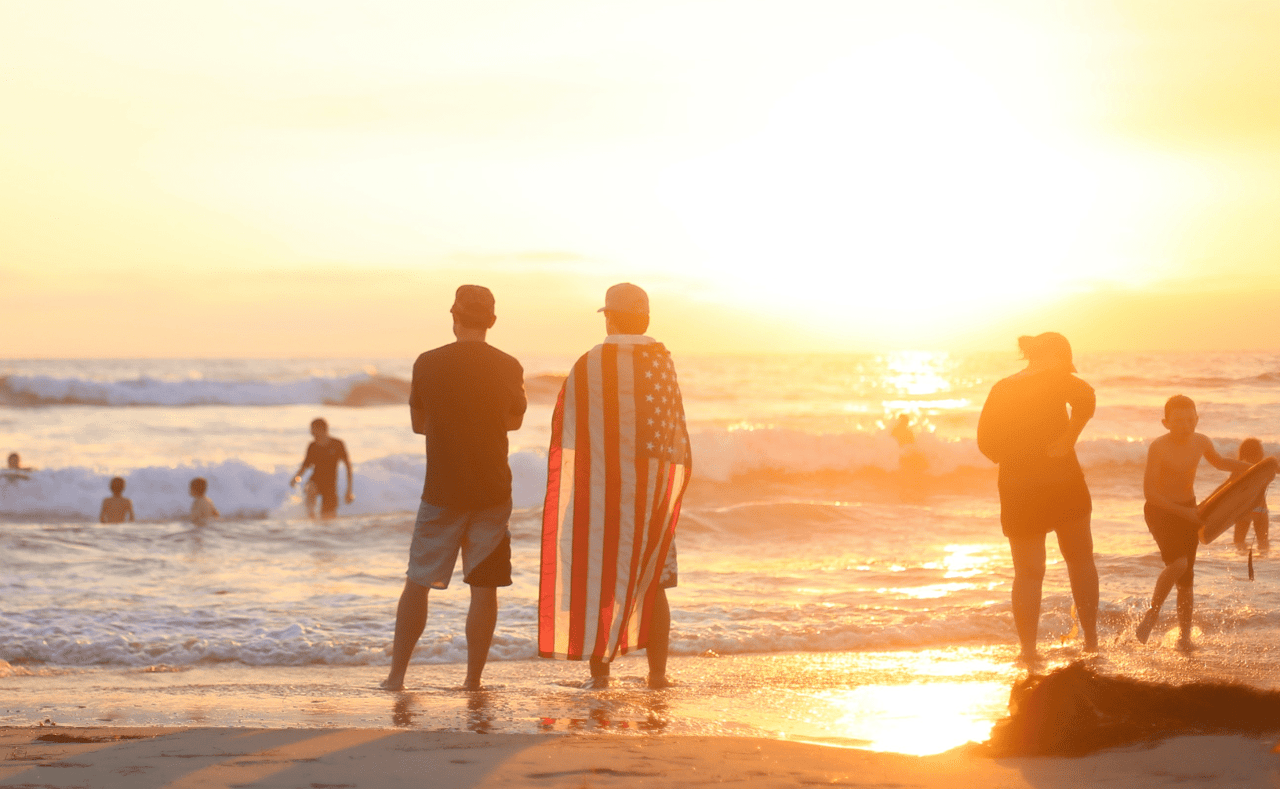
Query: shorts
x=1176 y=537
x=1037 y=498
x=480 y=534
x=670 y=570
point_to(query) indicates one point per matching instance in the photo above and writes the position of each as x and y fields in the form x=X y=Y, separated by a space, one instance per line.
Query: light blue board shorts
x=481 y=535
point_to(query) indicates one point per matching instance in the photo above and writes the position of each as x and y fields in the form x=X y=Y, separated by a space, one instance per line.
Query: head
x=15 y=460
x=473 y=308
x=198 y=486
x=117 y=485
x=319 y=428
x=626 y=309
x=1049 y=350
x=1250 y=450
x=1180 y=417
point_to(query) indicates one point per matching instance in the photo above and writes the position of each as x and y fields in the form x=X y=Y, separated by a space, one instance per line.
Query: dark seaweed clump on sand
x=1075 y=710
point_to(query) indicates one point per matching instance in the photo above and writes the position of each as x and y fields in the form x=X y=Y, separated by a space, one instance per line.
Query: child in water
x=116 y=508
x=1170 y=511
x=1251 y=452
x=202 y=508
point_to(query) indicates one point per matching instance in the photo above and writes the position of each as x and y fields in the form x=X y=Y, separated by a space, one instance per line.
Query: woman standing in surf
x=1029 y=426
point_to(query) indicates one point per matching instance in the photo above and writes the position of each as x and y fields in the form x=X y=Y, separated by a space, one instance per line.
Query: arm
x=351 y=491
x=307 y=463
x=1153 y=491
x=1221 y=463
x=990 y=432
x=519 y=402
x=1083 y=403
x=102 y=513
x=128 y=510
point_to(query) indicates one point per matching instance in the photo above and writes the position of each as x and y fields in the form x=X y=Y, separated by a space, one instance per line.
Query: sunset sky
x=314 y=178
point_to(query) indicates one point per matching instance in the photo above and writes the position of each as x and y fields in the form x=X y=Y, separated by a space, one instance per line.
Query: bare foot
x=1184 y=643
x=1145 y=626
x=659 y=683
x=472 y=684
x=1029 y=659
x=596 y=683
x=389 y=684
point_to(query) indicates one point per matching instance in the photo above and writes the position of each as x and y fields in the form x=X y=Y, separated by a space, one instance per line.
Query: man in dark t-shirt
x=323 y=456
x=465 y=397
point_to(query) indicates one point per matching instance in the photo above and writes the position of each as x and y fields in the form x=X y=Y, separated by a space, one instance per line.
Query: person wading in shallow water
x=323 y=456
x=1029 y=426
x=465 y=397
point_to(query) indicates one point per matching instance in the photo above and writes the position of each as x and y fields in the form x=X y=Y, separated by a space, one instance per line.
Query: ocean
x=828 y=590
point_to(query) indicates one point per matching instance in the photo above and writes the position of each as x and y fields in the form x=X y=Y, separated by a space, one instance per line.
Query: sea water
x=824 y=583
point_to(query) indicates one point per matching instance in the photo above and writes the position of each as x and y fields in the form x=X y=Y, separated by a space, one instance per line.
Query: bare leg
x=481 y=620
x=309 y=495
x=1262 y=528
x=1186 y=601
x=599 y=674
x=659 y=640
x=411 y=620
x=1028 y=580
x=1076 y=544
x=1164 y=583
x=1242 y=533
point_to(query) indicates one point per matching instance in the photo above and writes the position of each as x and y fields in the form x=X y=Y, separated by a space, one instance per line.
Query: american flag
x=617 y=468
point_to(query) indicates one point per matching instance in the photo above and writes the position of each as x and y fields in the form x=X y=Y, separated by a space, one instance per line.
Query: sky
x=314 y=178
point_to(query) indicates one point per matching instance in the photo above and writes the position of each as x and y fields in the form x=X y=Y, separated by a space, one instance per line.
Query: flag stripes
x=616 y=470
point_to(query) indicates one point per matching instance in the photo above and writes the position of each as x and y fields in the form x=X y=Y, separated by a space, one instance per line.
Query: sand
x=208 y=758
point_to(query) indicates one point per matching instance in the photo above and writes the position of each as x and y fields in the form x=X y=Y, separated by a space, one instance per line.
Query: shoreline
x=374 y=758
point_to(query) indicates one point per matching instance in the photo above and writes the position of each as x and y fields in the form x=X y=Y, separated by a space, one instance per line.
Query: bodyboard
x=1234 y=499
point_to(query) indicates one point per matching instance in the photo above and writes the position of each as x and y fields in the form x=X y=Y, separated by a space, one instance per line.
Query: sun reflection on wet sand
x=920 y=718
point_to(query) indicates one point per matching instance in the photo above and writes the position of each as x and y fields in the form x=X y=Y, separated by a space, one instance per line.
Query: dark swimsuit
x=1176 y=537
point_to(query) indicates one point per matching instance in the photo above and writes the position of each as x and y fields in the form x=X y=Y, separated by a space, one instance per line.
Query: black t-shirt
x=467 y=390
x=323 y=460
x=1025 y=412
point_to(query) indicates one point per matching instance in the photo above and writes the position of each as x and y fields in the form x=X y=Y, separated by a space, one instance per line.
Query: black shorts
x=1177 y=538
x=1042 y=496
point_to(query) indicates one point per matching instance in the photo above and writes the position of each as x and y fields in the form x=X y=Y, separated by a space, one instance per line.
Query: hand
x=350 y=497
x=293 y=483
x=1193 y=515
x=1060 y=447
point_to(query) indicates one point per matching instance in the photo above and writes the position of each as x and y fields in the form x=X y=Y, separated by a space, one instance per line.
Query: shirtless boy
x=202 y=509
x=116 y=508
x=1170 y=511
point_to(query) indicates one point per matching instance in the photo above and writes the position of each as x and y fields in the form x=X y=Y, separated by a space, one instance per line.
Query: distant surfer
x=902 y=431
x=116 y=508
x=617 y=469
x=1170 y=511
x=323 y=456
x=1029 y=426
x=910 y=459
x=1259 y=518
x=465 y=397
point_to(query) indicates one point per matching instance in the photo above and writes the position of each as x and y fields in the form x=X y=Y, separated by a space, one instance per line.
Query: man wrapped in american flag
x=617 y=468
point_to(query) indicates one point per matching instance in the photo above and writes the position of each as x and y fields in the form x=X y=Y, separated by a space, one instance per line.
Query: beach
x=191 y=758
x=840 y=617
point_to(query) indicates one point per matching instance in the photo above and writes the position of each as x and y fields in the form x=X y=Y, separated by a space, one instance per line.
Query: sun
x=897 y=189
